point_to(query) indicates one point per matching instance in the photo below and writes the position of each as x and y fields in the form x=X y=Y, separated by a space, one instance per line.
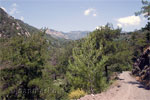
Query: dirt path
x=127 y=88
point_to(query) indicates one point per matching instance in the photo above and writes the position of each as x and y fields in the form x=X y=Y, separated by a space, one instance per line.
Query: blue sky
x=72 y=15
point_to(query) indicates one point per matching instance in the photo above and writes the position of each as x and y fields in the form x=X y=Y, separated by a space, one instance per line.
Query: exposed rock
x=141 y=67
x=10 y=26
x=56 y=34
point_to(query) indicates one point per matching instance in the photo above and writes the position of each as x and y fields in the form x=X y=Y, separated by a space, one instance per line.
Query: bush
x=76 y=94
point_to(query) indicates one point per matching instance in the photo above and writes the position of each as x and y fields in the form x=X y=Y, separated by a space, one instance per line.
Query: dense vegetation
x=38 y=67
x=32 y=68
x=96 y=58
x=25 y=70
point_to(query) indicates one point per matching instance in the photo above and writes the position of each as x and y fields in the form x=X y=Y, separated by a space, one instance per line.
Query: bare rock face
x=56 y=34
x=141 y=67
x=10 y=26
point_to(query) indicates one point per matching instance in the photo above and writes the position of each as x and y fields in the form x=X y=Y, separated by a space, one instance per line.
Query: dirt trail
x=127 y=88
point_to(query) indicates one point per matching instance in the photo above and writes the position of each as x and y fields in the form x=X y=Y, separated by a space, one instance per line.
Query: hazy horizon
x=74 y=15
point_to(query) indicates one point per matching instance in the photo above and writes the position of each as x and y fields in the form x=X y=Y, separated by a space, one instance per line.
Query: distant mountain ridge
x=56 y=34
x=9 y=26
x=73 y=35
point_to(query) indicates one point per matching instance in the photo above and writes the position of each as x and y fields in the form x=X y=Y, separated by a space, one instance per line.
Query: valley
x=109 y=62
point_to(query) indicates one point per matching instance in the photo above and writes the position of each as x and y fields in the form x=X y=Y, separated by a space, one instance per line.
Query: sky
x=74 y=15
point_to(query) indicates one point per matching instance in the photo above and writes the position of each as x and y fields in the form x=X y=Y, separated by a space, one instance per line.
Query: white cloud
x=94 y=14
x=119 y=25
x=90 y=11
x=100 y=27
x=130 y=20
x=14 y=5
x=22 y=18
x=4 y=9
x=13 y=9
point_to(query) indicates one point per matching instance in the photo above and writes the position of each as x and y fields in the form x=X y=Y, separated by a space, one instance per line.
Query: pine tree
x=145 y=10
x=95 y=58
x=22 y=64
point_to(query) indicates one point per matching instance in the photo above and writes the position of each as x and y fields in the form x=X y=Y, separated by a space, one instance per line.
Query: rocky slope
x=56 y=34
x=11 y=27
x=141 y=67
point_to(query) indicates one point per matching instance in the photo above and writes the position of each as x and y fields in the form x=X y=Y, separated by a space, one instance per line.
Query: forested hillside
x=36 y=66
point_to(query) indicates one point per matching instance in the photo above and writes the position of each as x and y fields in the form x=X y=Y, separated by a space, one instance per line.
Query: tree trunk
x=106 y=72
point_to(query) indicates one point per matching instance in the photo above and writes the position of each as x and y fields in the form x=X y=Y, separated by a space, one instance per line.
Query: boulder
x=141 y=67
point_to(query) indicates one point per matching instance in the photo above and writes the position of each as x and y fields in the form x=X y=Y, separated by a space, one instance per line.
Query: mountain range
x=72 y=35
x=9 y=26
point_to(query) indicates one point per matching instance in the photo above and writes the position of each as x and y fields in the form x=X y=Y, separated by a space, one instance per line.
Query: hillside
x=12 y=27
x=9 y=26
x=56 y=34
x=111 y=62
x=72 y=35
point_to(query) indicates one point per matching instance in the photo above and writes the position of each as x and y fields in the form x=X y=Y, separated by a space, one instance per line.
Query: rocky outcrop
x=10 y=27
x=56 y=34
x=141 y=67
